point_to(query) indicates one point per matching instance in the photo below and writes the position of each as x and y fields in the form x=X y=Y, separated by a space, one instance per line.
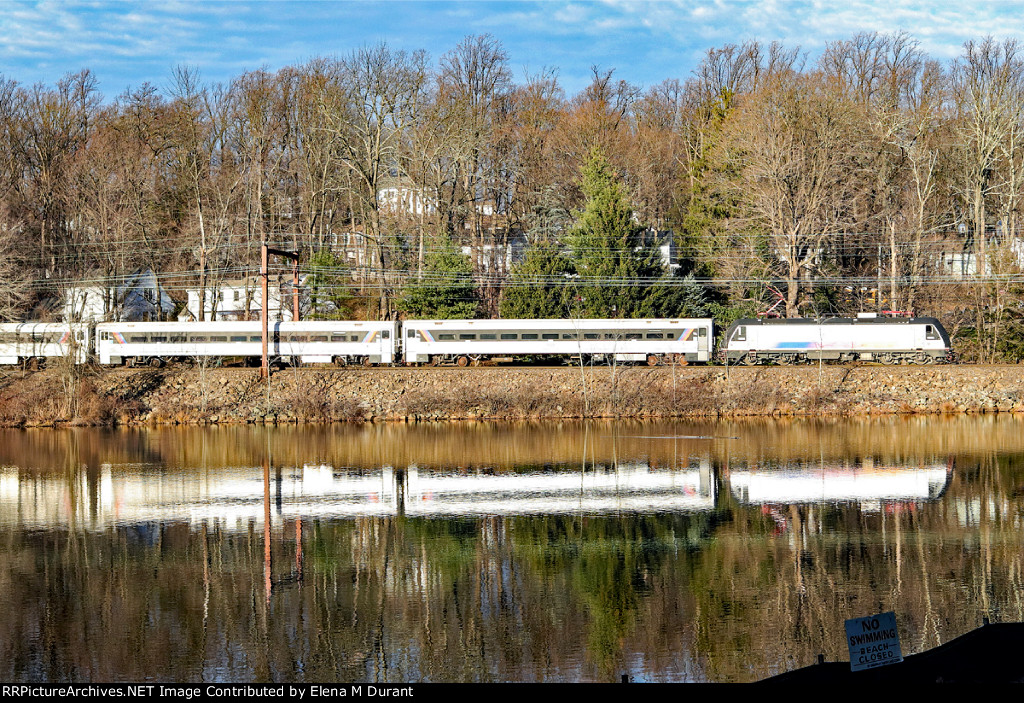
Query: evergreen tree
x=329 y=293
x=446 y=291
x=538 y=287
x=616 y=266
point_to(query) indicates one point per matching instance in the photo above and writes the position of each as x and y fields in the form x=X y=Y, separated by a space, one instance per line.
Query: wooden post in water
x=266 y=527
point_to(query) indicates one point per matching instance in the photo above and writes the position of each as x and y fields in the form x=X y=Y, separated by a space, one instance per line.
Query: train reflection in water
x=237 y=498
x=868 y=483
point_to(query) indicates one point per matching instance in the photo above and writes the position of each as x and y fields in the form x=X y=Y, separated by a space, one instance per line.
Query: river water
x=676 y=551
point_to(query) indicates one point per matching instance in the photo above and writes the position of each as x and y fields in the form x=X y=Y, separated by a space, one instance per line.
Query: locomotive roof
x=838 y=321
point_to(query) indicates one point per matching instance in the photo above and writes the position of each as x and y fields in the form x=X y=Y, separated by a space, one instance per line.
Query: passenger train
x=465 y=342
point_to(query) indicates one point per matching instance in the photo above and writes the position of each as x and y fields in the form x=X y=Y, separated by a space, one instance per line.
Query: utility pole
x=265 y=252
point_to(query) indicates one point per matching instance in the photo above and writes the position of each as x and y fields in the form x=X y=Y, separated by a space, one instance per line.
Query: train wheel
x=886 y=359
x=784 y=360
x=156 y=362
x=748 y=360
x=340 y=361
x=463 y=361
x=435 y=360
x=653 y=360
x=366 y=362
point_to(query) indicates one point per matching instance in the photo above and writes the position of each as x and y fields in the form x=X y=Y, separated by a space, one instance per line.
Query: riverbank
x=188 y=395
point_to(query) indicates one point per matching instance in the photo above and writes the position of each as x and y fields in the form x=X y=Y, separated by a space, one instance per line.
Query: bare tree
x=788 y=142
x=475 y=80
x=366 y=106
x=988 y=90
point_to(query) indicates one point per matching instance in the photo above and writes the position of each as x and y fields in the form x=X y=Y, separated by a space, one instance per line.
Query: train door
x=387 y=342
x=702 y=344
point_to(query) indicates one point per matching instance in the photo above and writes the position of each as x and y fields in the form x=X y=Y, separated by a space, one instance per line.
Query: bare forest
x=868 y=178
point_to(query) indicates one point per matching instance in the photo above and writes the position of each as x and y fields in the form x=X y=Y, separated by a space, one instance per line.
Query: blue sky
x=128 y=43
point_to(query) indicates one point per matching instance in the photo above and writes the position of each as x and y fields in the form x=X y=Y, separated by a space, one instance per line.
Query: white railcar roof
x=40 y=326
x=556 y=323
x=244 y=326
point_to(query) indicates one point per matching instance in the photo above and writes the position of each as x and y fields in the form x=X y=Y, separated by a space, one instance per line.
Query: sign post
x=873 y=641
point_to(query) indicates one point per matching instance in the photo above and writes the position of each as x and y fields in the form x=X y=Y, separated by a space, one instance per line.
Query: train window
x=634 y=335
x=930 y=333
x=446 y=337
x=411 y=334
x=702 y=332
x=137 y=339
x=159 y=339
x=591 y=335
x=241 y=338
x=610 y=335
x=655 y=335
x=740 y=335
x=354 y=338
x=568 y=335
x=488 y=336
x=197 y=339
x=178 y=338
x=386 y=334
x=467 y=336
x=299 y=338
x=509 y=335
x=219 y=339
x=549 y=335
x=528 y=336
x=318 y=338
x=256 y=338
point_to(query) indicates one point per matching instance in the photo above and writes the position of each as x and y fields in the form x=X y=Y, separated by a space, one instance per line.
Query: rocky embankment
x=236 y=395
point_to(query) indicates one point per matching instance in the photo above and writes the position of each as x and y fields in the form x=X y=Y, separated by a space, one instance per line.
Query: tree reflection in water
x=546 y=582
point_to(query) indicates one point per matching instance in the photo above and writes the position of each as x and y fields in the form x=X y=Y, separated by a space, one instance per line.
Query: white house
x=508 y=254
x=407 y=200
x=242 y=299
x=139 y=298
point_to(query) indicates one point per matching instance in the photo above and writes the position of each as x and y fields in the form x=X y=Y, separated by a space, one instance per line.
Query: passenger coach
x=471 y=341
x=154 y=343
x=35 y=342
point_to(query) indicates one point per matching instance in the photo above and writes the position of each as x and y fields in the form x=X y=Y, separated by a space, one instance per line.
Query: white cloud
x=647 y=39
